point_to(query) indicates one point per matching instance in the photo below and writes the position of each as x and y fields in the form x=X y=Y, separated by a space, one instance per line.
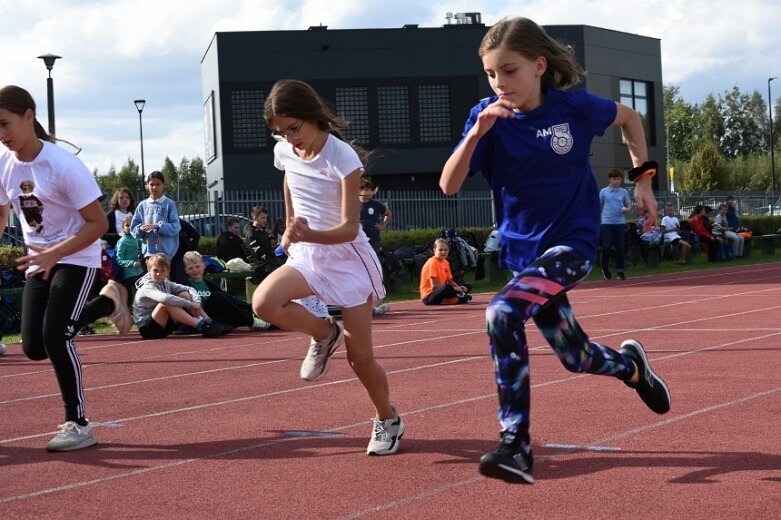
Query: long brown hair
x=298 y=100
x=118 y=193
x=529 y=39
x=18 y=101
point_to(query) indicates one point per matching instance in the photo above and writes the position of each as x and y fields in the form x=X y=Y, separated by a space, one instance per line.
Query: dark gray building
x=406 y=91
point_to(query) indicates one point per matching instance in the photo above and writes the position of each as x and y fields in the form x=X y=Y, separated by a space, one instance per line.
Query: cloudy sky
x=115 y=51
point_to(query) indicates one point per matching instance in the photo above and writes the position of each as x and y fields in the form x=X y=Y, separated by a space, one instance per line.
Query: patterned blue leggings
x=539 y=292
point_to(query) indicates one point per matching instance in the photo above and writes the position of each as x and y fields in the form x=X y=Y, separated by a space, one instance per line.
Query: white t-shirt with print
x=316 y=185
x=47 y=194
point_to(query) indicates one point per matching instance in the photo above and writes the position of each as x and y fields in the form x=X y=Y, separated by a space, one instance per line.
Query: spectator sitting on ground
x=735 y=240
x=437 y=286
x=229 y=243
x=160 y=304
x=218 y=304
x=671 y=227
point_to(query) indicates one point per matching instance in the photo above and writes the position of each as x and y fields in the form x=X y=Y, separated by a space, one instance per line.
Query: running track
x=197 y=428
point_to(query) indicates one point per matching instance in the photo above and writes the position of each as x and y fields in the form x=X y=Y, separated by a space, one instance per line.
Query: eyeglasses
x=289 y=133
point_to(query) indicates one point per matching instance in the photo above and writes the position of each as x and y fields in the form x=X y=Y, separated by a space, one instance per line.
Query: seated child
x=127 y=256
x=437 y=286
x=160 y=304
x=217 y=303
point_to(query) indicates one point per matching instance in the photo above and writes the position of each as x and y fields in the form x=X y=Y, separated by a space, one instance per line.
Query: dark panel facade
x=406 y=91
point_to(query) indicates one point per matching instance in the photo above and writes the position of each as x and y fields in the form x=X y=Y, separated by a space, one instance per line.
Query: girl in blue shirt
x=531 y=142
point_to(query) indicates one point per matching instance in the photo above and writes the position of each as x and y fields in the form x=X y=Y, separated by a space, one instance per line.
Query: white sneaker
x=259 y=324
x=318 y=358
x=386 y=435
x=3 y=348
x=120 y=318
x=381 y=309
x=72 y=436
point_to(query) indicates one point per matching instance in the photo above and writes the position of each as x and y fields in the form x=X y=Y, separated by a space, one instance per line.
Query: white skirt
x=344 y=275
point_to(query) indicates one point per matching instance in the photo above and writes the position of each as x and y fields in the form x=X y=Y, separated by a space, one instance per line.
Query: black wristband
x=634 y=173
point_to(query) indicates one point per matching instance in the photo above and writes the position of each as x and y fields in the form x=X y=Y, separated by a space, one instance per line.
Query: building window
x=248 y=125
x=393 y=114
x=434 y=103
x=352 y=103
x=637 y=94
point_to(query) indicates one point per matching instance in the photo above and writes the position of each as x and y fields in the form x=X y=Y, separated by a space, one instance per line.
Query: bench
x=766 y=242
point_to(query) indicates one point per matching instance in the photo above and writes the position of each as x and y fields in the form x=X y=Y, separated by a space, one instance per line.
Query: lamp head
x=140 y=104
x=48 y=60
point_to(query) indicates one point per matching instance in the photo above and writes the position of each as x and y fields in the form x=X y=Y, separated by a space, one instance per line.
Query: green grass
x=409 y=290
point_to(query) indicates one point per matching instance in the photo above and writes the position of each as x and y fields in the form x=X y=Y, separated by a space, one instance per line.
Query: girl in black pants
x=56 y=199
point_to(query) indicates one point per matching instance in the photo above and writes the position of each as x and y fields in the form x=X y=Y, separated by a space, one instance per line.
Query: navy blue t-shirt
x=537 y=165
x=372 y=213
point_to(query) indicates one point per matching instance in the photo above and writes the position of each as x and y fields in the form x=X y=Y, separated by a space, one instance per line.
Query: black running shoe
x=508 y=462
x=651 y=388
x=212 y=329
x=621 y=276
x=606 y=273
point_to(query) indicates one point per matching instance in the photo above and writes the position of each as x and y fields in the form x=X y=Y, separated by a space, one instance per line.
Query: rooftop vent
x=464 y=18
x=320 y=27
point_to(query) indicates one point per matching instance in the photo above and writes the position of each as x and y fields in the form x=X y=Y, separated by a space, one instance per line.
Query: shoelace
x=67 y=428
x=379 y=429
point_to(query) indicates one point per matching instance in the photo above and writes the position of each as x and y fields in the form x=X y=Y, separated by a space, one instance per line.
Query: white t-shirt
x=670 y=225
x=47 y=194
x=119 y=216
x=316 y=185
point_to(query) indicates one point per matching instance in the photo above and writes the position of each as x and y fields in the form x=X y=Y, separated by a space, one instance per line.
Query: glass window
x=393 y=114
x=636 y=94
x=434 y=103
x=248 y=126
x=352 y=103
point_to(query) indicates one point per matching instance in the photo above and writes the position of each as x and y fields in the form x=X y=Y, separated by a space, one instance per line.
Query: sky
x=116 y=51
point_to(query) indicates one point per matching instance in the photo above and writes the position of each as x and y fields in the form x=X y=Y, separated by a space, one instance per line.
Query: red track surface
x=197 y=428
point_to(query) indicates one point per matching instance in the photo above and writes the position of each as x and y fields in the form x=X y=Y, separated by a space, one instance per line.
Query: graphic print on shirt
x=562 y=141
x=31 y=206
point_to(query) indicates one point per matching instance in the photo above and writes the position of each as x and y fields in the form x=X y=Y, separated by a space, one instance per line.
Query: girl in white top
x=328 y=253
x=671 y=226
x=56 y=199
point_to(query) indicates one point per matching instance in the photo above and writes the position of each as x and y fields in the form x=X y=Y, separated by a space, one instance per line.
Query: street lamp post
x=140 y=107
x=772 y=154
x=48 y=60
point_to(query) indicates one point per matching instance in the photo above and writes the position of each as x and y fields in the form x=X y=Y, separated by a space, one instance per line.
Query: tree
x=129 y=176
x=171 y=176
x=706 y=170
x=744 y=124
x=709 y=122
x=680 y=123
x=193 y=176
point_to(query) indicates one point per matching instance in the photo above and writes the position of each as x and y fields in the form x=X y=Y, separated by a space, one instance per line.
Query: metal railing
x=425 y=209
